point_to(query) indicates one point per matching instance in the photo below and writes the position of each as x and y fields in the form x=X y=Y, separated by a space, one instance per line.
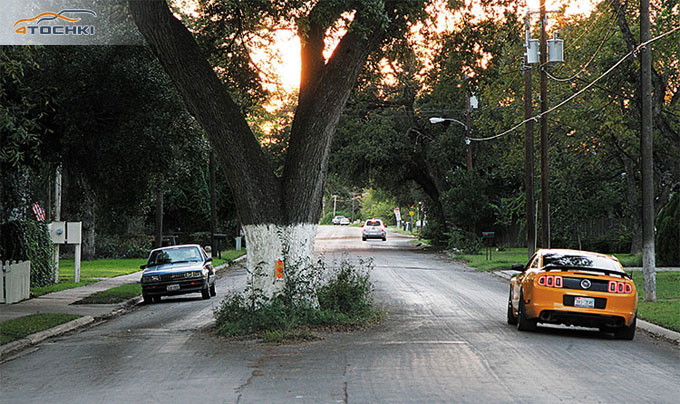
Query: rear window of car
x=373 y=223
x=581 y=261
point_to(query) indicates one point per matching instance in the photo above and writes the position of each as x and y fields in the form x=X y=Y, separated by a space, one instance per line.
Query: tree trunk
x=279 y=214
x=88 y=216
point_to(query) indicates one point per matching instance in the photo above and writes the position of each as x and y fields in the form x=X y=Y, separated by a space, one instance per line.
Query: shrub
x=464 y=241
x=114 y=246
x=345 y=299
x=28 y=239
x=668 y=232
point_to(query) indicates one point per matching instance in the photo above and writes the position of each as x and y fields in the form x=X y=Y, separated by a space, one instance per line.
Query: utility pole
x=467 y=139
x=545 y=211
x=335 y=202
x=352 y=195
x=213 y=205
x=647 y=149
x=528 y=148
x=57 y=218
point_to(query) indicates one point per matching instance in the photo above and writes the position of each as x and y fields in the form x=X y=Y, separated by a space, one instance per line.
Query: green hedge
x=668 y=233
x=28 y=239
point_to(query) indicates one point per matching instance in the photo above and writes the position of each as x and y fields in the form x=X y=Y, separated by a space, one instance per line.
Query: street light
x=434 y=120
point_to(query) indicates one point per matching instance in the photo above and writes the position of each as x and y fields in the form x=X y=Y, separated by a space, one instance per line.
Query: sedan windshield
x=174 y=256
x=373 y=223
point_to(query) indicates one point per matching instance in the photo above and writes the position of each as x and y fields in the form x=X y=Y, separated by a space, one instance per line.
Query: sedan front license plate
x=584 y=302
x=173 y=287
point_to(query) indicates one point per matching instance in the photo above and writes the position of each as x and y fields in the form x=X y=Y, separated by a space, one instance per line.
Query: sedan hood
x=173 y=268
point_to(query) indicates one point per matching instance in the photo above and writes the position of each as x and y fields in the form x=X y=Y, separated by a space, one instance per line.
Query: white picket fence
x=16 y=281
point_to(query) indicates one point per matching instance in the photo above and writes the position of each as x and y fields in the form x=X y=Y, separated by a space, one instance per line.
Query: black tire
x=363 y=239
x=626 y=332
x=205 y=293
x=213 y=292
x=512 y=318
x=156 y=299
x=147 y=299
x=524 y=323
x=384 y=238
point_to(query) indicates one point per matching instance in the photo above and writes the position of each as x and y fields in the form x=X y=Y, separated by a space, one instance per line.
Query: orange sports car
x=573 y=288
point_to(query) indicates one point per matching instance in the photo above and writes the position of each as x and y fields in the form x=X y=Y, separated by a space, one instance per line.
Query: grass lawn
x=62 y=285
x=113 y=295
x=666 y=310
x=499 y=259
x=18 y=328
x=228 y=256
x=505 y=259
x=101 y=268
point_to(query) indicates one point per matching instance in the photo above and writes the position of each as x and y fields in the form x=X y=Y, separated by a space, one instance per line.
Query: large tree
x=280 y=214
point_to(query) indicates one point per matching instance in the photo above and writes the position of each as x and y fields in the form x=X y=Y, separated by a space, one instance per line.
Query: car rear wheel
x=213 y=292
x=363 y=239
x=626 y=332
x=523 y=322
x=512 y=318
x=384 y=239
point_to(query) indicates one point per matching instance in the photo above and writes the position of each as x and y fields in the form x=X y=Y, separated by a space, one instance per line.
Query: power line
x=536 y=117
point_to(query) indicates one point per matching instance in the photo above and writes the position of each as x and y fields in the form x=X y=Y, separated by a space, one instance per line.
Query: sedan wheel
x=512 y=318
x=626 y=332
x=524 y=323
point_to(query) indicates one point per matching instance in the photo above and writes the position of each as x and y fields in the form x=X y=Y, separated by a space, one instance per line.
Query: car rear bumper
x=553 y=305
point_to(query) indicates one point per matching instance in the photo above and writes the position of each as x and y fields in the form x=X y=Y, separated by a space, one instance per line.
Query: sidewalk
x=61 y=302
x=641 y=324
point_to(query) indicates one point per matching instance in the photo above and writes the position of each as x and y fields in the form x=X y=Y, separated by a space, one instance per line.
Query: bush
x=28 y=239
x=114 y=246
x=668 y=233
x=465 y=241
x=344 y=300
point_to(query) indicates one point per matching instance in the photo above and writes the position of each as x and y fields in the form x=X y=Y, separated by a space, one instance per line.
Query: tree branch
x=208 y=100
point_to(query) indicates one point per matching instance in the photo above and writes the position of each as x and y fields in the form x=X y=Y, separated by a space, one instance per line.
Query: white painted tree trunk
x=266 y=243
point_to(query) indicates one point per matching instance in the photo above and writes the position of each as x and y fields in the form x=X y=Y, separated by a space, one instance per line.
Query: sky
x=287 y=65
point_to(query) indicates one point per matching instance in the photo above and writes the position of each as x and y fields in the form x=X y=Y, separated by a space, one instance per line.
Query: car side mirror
x=142 y=266
x=518 y=267
x=209 y=259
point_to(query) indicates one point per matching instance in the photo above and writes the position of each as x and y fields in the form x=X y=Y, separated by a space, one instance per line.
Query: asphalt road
x=444 y=339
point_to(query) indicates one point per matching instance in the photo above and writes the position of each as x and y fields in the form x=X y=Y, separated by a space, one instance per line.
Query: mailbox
x=488 y=235
x=57 y=232
x=74 y=232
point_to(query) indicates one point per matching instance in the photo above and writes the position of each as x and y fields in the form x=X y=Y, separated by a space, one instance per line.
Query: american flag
x=39 y=212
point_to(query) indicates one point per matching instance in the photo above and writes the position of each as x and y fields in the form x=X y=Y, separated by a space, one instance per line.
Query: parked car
x=573 y=288
x=178 y=270
x=373 y=228
x=340 y=220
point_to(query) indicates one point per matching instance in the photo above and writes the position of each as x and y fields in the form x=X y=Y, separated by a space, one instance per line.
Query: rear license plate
x=173 y=287
x=584 y=302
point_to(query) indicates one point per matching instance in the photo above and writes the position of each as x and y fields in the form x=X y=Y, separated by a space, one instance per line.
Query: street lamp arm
x=440 y=120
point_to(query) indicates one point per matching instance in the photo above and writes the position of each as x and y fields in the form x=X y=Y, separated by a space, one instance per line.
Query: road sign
x=397 y=214
x=410 y=213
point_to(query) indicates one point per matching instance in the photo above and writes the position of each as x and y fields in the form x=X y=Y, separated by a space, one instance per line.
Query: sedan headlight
x=193 y=274
x=151 y=278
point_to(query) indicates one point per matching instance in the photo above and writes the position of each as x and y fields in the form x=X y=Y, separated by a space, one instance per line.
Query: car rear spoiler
x=554 y=267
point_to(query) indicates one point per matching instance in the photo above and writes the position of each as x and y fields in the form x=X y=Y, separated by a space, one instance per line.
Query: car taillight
x=551 y=281
x=619 y=287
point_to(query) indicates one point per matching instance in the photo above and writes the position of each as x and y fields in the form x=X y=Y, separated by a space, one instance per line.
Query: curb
x=13 y=347
x=653 y=329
